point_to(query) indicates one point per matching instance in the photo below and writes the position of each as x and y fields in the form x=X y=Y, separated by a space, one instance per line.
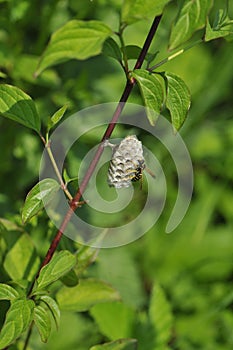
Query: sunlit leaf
x=60 y=264
x=42 y=322
x=53 y=308
x=7 y=334
x=18 y=106
x=75 y=40
x=152 y=92
x=56 y=117
x=160 y=317
x=17 y=320
x=21 y=261
x=115 y=320
x=219 y=32
x=178 y=99
x=120 y=344
x=7 y=292
x=38 y=197
x=9 y=225
x=192 y=16
x=86 y=294
x=136 y=10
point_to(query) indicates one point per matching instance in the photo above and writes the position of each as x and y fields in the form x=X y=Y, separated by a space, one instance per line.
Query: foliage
x=160 y=292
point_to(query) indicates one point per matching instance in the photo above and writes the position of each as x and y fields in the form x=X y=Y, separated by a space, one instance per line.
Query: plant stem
x=28 y=336
x=62 y=184
x=125 y=59
x=175 y=54
x=55 y=167
x=107 y=134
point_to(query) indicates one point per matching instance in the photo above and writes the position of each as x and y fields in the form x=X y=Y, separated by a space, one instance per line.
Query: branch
x=107 y=134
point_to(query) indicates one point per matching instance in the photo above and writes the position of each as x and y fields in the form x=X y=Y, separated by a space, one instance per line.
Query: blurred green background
x=193 y=264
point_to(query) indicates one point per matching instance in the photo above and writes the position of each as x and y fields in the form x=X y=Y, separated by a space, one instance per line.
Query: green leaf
x=86 y=294
x=17 y=320
x=7 y=334
x=53 y=308
x=115 y=320
x=56 y=117
x=120 y=344
x=18 y=106
x=192 y=17
x=111 y=49
x=136 y=10
x=10 y=225
x=21 y=261
x=131 y=293
x=152 y=93
x=7 y=292
x=178 y=99
x=60 y=264
x=219 y=32
x=86 y=256
x=38 y=197
x=42 y=322
x=160 y=317
x=133 y=52
x=75 y=40
x=70 y=279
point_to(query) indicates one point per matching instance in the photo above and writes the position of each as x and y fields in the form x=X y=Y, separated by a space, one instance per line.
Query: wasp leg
x=107 y=143
x=150 y=172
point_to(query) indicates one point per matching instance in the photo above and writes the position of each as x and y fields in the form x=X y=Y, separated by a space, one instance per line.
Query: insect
x=127 y=163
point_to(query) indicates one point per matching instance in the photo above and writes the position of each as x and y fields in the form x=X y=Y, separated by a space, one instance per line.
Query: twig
x=107 y=134
x=55 y=167
x=175 y=54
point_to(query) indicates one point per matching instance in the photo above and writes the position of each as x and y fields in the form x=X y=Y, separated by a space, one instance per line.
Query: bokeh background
x=193 y=264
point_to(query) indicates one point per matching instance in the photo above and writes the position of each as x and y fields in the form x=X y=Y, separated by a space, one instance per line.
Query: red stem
x=107 y=134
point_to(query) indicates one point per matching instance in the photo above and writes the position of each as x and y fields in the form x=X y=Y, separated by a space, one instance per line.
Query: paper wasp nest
x=127 y=162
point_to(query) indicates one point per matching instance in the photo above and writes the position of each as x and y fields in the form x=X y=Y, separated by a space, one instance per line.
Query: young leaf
x=115 y=320
x=17 y=320
x=136 y=10
x=56 y=117
x=38 y=197
x=18 y=106
x=212 y=33
x=53 y=308
x=120 y=344
x=55 y=269
x=86 y=294
x=7 y=292
x=75 y=40
x=160 y=317
x=178 y=99
x=42 y=322
x=111 y=49
x=152 y=93
x=192 y=16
